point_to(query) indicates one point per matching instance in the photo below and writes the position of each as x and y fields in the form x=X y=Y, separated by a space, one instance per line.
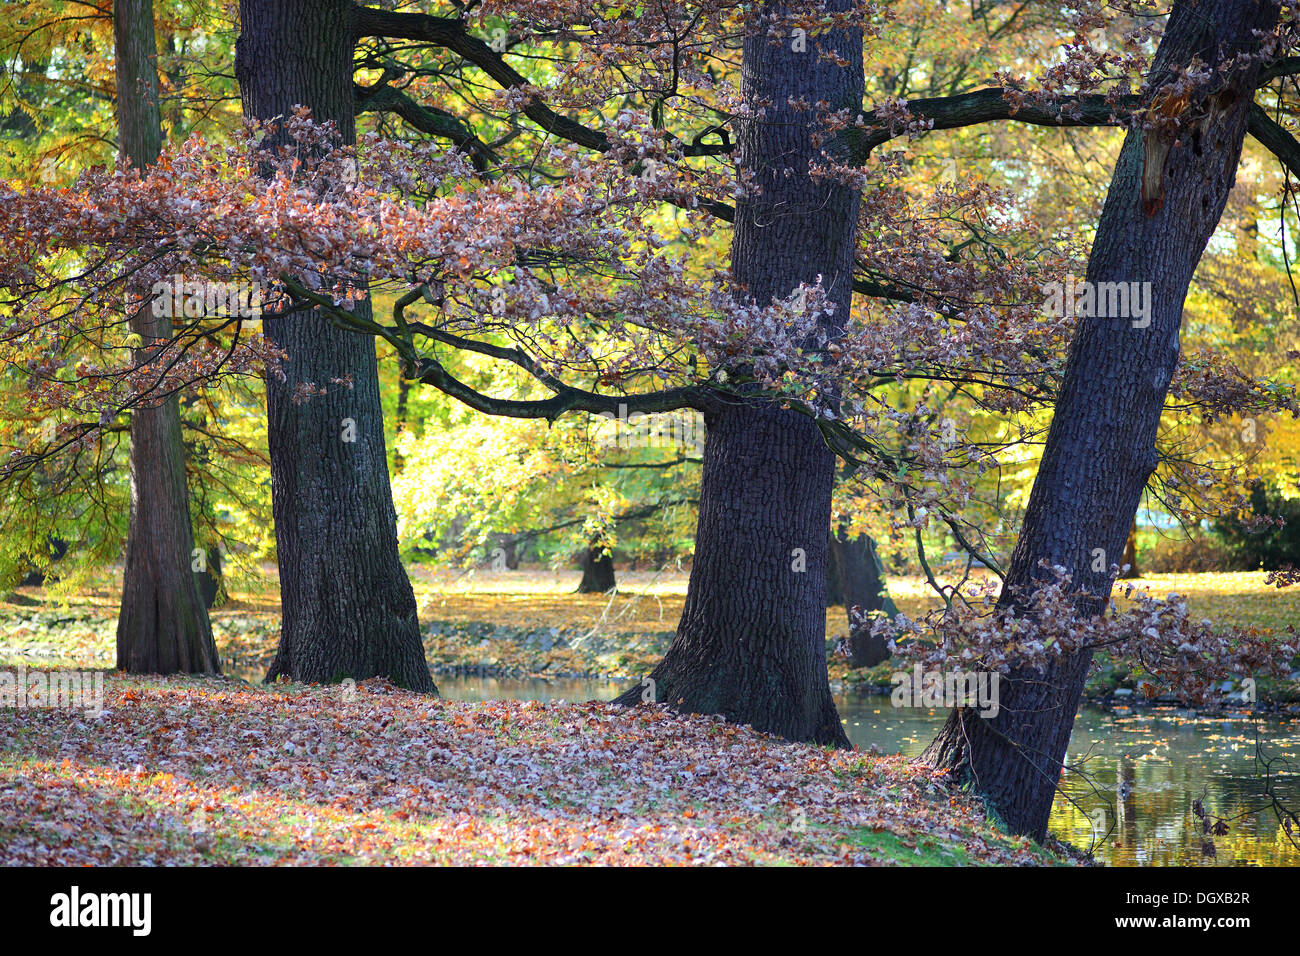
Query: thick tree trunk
x=751 y=644
x=139 y=122
x=162 y=626
x=1101 y=446
x=597 y=570
x=861 y=579
x=348 y=608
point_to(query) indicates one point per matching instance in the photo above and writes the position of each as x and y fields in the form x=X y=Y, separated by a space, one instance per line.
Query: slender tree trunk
x=1129 y=562
x=209 y=579
x=1100 y=450
x=751 y=644
x=403 y=390
x=508 y=545
x=834 y=578
x=162 y=626
x=597 y=570
x=348 y=608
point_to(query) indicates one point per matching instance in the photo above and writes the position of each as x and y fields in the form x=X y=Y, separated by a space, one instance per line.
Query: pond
x=1141 y=772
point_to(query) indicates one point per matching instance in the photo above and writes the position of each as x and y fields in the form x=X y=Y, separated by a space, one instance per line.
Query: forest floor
x=189 y=770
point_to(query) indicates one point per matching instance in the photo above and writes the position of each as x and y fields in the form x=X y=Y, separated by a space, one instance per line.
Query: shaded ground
x=216 y=771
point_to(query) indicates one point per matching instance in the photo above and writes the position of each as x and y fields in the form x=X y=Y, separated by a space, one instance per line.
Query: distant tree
x=858 y=574
x=1265 y=534
x=162 y=624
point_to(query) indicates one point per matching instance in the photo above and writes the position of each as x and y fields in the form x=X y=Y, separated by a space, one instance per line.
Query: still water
x=1139 y=773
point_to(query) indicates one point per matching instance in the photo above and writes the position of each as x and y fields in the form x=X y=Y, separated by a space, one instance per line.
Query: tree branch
x=1283 y=66
x=636 y=514
x=989 y=105
x=427 y=119
x=1274 y=138
x=429 y=371
x=671 y=463
x=450 y=34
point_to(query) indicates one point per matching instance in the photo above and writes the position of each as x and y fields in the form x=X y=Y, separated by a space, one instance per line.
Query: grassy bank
x=531 y=624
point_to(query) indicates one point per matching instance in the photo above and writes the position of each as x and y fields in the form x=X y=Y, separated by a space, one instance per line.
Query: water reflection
x=1139 y=774
x=1150 y=772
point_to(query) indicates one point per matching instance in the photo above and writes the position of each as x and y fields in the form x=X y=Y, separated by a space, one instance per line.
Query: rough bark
x=1100 y=449
x=348 y=608
x=597 y=570
x=751 y=644
x=162 y=625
